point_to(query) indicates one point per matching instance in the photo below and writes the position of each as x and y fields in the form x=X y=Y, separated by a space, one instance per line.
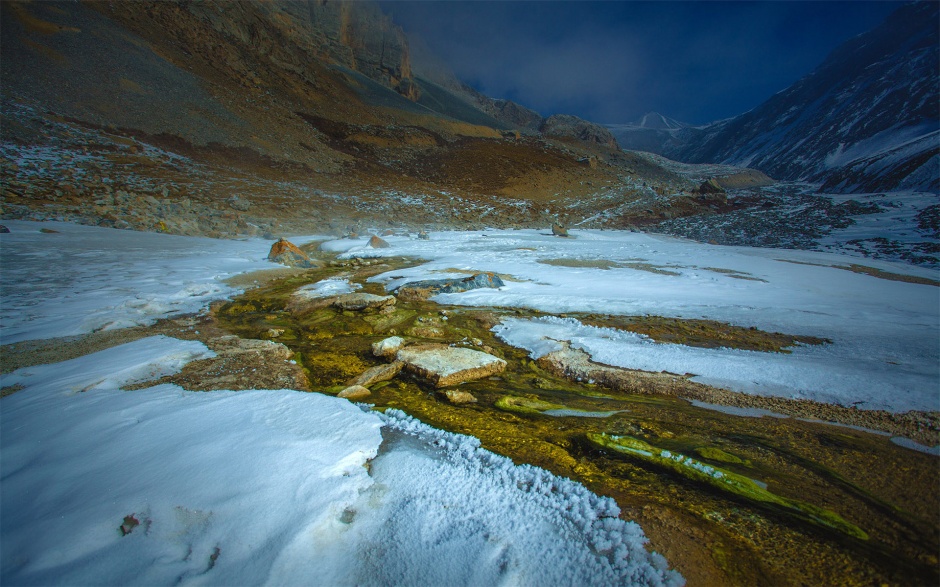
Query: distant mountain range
x=865 y=120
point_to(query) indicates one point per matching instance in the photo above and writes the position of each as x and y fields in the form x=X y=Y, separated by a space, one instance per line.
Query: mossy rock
x=722 y=479
x=523 y=405
x=714 y=453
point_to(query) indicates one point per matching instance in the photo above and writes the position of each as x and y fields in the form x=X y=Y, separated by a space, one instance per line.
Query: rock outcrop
x=565 y=126
x=443 y=366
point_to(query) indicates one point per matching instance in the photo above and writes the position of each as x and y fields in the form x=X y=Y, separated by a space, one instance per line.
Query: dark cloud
x=614 y=61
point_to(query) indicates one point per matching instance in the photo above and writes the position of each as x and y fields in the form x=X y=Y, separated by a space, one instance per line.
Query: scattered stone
x=388 y=347
x=354 y=392
x=388 y=232
x=422 y=290
x=378 y=243
x=378 y=374
x=443 y=365
x=362 y=301
x=455 y=396
x=423 y=235
x=287 y=253
x=559 y=230
x=274 y=332
x=4 y=229
x=48 y=231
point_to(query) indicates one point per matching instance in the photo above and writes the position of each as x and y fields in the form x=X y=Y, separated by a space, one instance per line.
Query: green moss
x=523 y=405
x=713 y=453
x=722 y=479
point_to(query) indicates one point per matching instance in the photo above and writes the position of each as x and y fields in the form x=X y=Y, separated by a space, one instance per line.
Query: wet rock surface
x=422 y=290
x=445 y=366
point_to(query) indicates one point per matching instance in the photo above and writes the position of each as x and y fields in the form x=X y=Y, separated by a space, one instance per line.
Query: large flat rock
x=444 y=366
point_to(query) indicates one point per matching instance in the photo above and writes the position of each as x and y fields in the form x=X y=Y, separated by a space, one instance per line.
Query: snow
x=165 y=486
x=325 y=288
x=269 y=487
x=885 y=351
x=88 y=278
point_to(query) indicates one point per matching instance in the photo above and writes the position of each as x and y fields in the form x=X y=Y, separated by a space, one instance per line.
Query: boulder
x=378 y=243
x=455 y=396
x=443 y=365
x=378 y=374
x=422 y=290
x=362 y=301
x=711 y=187
x=559 y=230
x=354 y=392
x=287 y=253
x=4 y=229
x=388 y=347
x=423 y=235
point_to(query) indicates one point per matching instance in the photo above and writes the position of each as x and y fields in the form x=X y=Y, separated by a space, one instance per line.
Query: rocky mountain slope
x=865 y=120
x=251 y=118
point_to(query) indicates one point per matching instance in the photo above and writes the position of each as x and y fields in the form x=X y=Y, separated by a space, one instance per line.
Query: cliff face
x=358 y=36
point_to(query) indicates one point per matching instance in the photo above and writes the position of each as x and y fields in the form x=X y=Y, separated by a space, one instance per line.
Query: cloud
x=613 y=61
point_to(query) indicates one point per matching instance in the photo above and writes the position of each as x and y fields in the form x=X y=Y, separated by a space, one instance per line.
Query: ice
x=89 y=278
x=885 y=350
x=325 y=288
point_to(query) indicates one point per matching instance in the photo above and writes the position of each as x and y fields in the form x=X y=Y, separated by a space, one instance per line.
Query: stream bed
x=728 y=499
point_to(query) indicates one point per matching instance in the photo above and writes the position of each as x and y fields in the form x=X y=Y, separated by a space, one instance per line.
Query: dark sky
x=614 y=61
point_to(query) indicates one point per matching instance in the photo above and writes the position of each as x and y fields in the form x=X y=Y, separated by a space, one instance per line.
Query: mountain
x=232 y=118
x=653 y=133
x=865 y=120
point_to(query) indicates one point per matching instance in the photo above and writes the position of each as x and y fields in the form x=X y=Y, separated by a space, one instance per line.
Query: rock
x=239 y=204
x=378 y=374
x=711 y=187
x=460 y=397
x=423 y=235
x=559 y=230
x=378 y=243
x=4 y=229
x=287 y=253
x=354 y=392
x=565 y=126
x=443 y=366
x=422 y=290
x=388 y=347
x=48 y=231
x=362 y=301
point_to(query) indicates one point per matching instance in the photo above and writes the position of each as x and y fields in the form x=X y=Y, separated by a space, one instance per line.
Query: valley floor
x=162 y=485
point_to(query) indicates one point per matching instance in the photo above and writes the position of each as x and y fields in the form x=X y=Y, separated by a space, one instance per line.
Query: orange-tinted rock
x=287 y=253
x=378 y=243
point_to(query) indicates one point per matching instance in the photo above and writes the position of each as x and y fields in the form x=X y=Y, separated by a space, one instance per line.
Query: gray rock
x=444 y=366
x=378 y=374
x=421 y=290
x=388 y=347
x=362 y=301
x=354 y=392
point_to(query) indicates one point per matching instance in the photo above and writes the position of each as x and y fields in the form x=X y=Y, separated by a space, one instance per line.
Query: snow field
x=269 y=487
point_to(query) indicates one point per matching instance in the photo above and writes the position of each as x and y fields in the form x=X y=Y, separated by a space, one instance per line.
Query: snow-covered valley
x=162 y=485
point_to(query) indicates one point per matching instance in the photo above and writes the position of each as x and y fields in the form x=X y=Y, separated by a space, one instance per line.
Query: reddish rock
x=287 y=253
x=378 y=243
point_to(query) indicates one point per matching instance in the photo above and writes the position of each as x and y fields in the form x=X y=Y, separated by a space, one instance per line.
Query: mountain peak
x=656 y=121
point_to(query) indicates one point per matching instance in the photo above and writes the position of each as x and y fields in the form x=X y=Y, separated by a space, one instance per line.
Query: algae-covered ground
x=845 y=506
